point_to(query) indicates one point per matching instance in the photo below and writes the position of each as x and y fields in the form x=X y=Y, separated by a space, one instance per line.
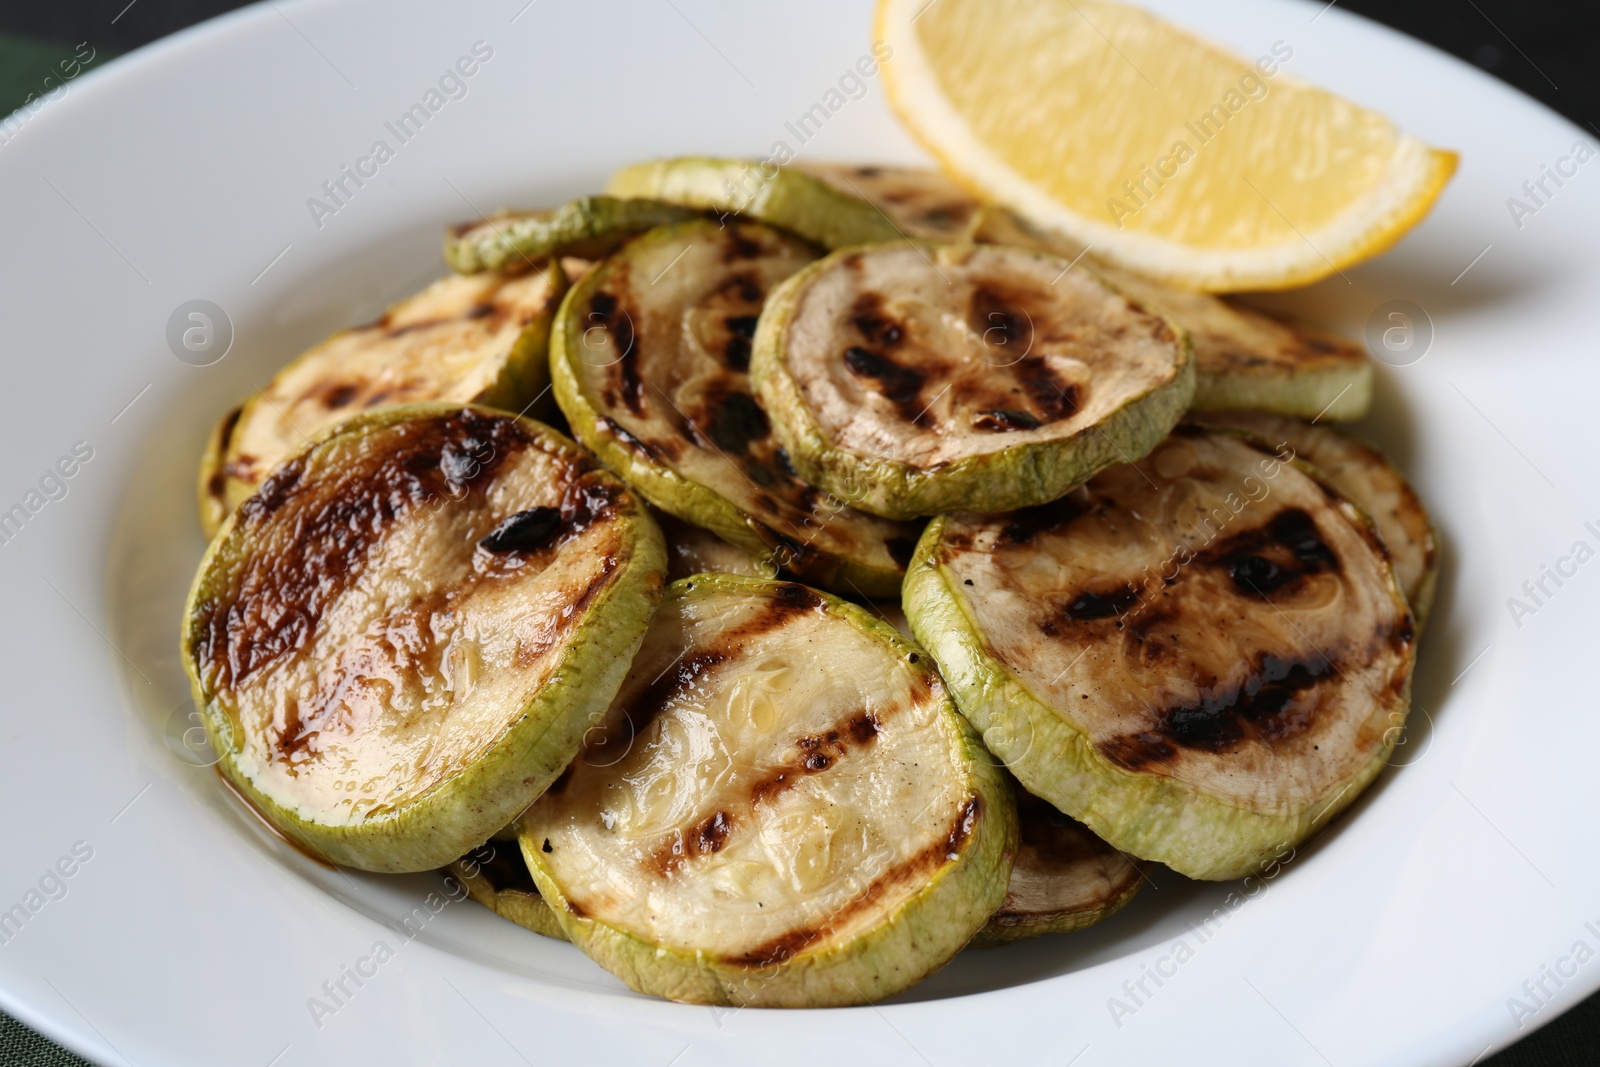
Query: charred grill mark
x=651 y=449
x=1089 y=605
x=703 y=839
x=522 y=532
x=873 y=323
x=1056 y=399
x=605 y=310
x=734 y=420
x=816 y=753
x=1280 y=555
x=741 y=332
x=1028 y=523
x=739 y=246
x=1257 y=705
x=788 y=945
x=748 y=287
x=1264 y=707
x=480 y=311
x=1000 y=322
x=901 y=386
x=338 y=396
x=1004 y=420
x=338 y=522
x=1135 y=752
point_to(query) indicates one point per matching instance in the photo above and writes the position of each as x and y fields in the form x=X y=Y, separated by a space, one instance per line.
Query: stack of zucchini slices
x=888 y=576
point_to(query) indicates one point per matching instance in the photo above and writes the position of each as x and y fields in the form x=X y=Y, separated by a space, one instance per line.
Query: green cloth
x=1570 y=1041
x=26 y=64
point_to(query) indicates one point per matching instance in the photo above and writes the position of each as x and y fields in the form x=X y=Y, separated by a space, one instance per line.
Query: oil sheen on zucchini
x=400 y=639
x=924 y=379
x=650 y=355
x=799 y=817
x=1203 y=657
x=481 y=340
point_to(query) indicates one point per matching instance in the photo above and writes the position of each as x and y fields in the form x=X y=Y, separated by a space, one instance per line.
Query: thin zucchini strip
x=589 y=228
x=786 y=197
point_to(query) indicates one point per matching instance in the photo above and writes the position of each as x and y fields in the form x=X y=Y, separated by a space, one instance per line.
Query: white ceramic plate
x=191 y=936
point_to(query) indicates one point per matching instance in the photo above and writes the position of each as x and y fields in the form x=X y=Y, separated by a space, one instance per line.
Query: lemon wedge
x=1161 y=152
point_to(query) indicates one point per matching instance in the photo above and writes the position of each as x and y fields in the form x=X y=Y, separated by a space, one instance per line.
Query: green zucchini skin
x=589 y=228
x=779 y=196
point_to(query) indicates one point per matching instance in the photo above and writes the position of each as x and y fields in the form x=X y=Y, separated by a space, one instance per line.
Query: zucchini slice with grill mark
x=1370 y=482
x=922 y=379
x=495 y=876
x=399 y=641
x=787 y=197
x=650 y=354
x=480 y=340
x=1064 y=878
x=1203 y=657
x=783 y=829
x=1244 y=359
x=590 y=227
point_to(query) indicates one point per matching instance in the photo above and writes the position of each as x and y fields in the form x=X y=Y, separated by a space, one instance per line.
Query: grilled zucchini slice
x=589 y=227
x=1370 y=482
x=1203 y=657
x=801 y=819
x=1064 y=878
x=1244 y=359
x=495 y=876
x=400 y=639
x=649 y=357
x=922 y=379
x=481 y=340
x=802 y=203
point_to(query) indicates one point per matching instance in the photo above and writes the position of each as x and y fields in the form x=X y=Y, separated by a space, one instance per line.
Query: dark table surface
x=1548 y=50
